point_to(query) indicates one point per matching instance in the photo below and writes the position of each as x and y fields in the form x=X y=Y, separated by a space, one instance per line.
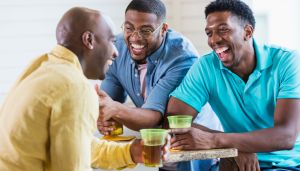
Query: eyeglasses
x=144 y=32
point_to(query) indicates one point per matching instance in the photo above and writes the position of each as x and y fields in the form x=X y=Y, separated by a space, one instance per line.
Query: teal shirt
x=245 y=107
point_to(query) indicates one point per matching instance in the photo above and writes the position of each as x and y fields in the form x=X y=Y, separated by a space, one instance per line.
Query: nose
x=214 y=39
x=115 y=52
x=136 y=35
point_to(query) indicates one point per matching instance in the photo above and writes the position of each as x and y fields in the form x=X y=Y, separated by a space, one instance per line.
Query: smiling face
x=102 y=49
x=105 y=53
x=142 y=46
x=227 y=36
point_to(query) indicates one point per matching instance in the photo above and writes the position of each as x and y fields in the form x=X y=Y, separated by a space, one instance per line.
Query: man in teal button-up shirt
x=254 y=89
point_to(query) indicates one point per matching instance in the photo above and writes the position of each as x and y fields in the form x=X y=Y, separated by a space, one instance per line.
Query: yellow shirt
x=48 y=119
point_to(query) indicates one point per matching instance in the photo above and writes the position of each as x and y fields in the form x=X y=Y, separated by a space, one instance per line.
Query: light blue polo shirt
x=244 y=107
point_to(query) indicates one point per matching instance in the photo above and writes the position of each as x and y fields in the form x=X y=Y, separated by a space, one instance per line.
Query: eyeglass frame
x=139 y=31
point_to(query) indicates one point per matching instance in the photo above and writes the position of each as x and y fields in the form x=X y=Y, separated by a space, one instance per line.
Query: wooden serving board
x=176 y=156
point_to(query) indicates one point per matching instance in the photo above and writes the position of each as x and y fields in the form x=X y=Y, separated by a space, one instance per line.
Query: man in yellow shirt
x=48 y=118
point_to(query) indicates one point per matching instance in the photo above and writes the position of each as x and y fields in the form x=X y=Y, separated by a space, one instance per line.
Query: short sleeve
x=193 y=90
x=289 y=71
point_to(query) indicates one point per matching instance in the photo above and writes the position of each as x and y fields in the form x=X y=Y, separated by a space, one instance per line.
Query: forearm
x=203 y=128
x=265 y=140
x=118 y=155
x=177 y=107
x=137 y=118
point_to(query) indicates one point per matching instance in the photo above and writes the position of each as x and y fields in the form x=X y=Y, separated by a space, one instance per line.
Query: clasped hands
x=108 y=110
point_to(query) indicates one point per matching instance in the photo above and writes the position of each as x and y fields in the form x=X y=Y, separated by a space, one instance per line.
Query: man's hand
x=136 y=150
x=108 y=107
x=105 y=127
x=191 y=139
x=107 y=110
x=247 y=162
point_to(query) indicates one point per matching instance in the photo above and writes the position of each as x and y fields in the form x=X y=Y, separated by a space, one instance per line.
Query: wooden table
x=176 y=156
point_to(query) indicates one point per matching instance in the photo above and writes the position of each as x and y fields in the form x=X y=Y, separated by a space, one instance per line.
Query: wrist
x=118 y=110
x=136 y=151
x=217 y=143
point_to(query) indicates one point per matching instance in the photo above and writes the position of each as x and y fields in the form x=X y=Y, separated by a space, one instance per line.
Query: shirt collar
x=62 y=52
x=154 y=57
x=263 y=60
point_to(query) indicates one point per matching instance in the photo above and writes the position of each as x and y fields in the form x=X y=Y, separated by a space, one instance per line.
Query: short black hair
x=236 y=7
x=156 y=7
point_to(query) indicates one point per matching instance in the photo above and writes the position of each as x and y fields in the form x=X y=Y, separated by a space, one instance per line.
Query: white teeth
x=109 y=62
x=220 y=50
x=136 y=46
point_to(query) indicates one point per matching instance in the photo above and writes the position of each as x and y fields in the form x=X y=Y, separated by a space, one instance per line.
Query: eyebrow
x=143 y=26
x=222 y=24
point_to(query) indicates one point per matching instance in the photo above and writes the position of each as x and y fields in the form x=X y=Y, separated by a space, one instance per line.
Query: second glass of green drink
x=180 y=121
x=154 y=139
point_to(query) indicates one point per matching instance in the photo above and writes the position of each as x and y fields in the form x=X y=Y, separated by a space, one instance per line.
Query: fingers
x=166 y=153
x=105 y=127
x=104 y=114
x=257 y=167
x=166 y=148
x=181 y=144
x=179 y=130
x=247 y=162
x=97 y=88
x=102 y=93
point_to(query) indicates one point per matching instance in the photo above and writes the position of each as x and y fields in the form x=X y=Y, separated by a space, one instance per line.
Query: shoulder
x=282 y=55
x=279 y=51
x=64 y=79
x=176 y=41
x=178 y=49
x=209 y=60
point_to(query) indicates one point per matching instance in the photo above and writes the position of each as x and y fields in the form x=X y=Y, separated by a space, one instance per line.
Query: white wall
x=28 y=29
x=278 y=22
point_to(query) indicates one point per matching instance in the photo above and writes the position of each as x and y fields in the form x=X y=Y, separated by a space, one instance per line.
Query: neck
x=144 y=61
x=247 y=65
x=75 y=50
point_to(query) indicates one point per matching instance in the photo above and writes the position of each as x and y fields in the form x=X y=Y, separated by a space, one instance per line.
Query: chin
x=101 y=77
x=137 y=57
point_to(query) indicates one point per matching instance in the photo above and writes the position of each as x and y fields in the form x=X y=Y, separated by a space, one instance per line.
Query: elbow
x=287 y=142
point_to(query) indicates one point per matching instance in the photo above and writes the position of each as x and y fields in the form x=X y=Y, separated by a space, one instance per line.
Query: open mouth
x=223 y=53
x=110 y=61
x=137 y=49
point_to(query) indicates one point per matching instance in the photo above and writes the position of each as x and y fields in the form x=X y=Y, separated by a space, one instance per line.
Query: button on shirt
x=244 y=107
x=48 y=119
x=165 y=69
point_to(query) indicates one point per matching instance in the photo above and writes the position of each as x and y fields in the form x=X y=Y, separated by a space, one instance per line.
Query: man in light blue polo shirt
x=152 y=62
x=254 y=90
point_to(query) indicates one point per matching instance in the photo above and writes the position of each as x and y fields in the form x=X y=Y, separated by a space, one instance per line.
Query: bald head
x=73 y=23
x=88 y=34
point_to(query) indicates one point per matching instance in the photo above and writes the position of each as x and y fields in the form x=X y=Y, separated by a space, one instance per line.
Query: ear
x=88 y=39
x=164 y=29
x=248 y=32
